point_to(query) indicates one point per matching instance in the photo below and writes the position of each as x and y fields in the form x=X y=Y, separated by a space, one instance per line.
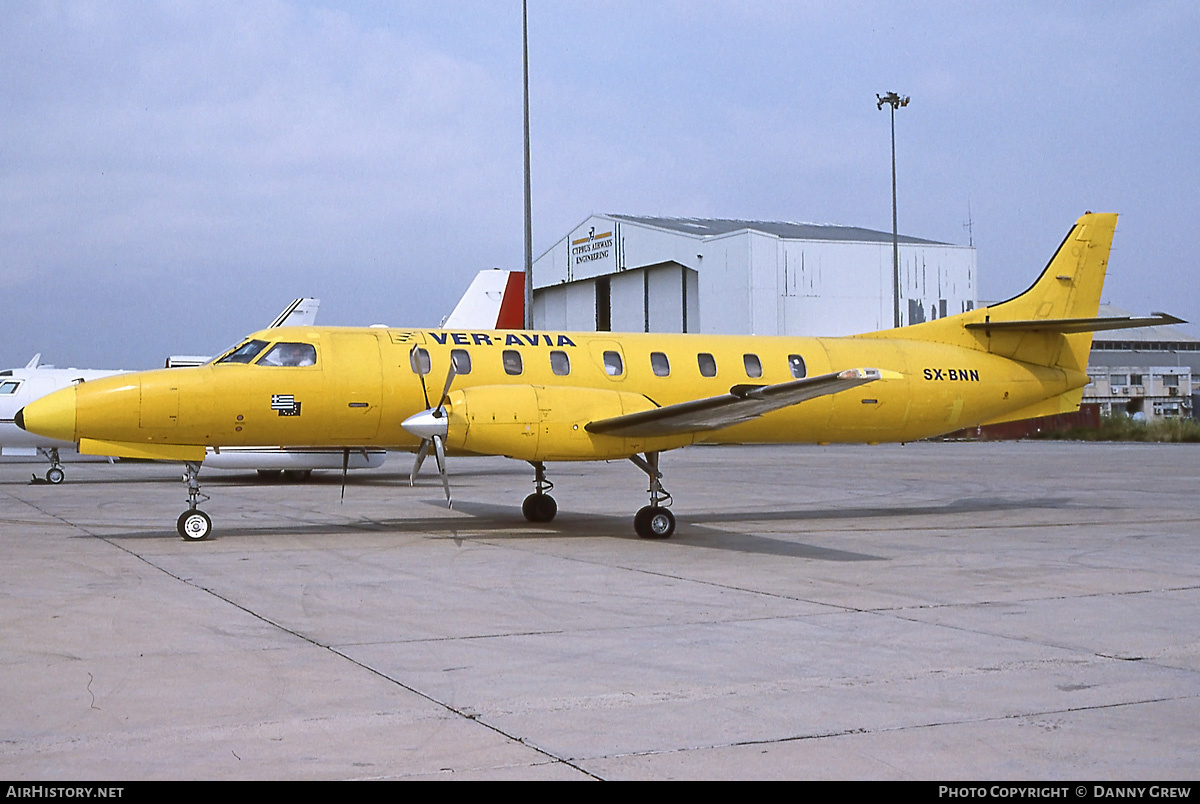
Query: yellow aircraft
x=559 y=396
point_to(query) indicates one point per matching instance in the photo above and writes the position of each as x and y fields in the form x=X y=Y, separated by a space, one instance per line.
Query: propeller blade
x=440 y=456
x=450 y=375
x=345 y=466
x=422 y=453
x=416 y=366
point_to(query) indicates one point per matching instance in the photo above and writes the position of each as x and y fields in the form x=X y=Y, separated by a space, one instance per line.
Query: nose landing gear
x=55 y=474
x=193 y=524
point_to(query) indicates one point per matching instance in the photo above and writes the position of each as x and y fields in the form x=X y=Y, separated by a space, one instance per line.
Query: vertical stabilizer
x=1068 y=289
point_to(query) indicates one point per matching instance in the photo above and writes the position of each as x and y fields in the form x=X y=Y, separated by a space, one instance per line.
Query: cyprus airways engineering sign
x=592 y=250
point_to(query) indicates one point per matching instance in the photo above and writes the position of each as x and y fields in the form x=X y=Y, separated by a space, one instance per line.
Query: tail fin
x=495 y=299
x=1043 y=325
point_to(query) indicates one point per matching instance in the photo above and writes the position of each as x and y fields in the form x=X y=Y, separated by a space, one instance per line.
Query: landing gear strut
x=55 y=474
x=655 y=521
x=539 y=506
x=193 y=524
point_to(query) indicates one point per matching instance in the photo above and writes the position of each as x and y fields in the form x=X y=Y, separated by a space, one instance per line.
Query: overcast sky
x=172 y=173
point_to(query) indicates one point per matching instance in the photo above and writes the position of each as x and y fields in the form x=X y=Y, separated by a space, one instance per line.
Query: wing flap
x=741 y=404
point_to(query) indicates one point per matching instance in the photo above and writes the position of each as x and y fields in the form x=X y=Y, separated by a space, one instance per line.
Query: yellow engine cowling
x=539 y=423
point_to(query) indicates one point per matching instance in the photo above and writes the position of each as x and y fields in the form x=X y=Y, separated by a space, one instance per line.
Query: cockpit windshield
x=244 y=353
x=290 y=354
x=9 y=387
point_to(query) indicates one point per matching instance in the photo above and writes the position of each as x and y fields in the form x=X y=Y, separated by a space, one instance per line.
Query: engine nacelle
x=541 y=423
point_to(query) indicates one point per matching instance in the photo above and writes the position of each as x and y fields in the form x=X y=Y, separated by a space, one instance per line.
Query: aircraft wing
x=741 y=404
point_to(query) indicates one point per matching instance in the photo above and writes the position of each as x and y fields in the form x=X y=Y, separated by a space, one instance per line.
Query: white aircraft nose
x=427 y=424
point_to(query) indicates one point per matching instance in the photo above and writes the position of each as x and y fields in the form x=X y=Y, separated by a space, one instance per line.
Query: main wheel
x=195 y=525
x=55 y=475
x=653 y=522
x=539 y=508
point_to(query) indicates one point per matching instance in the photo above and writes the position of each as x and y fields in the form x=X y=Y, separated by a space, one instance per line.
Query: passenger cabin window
x=753 y=365
x=797 y=367
x=461 y=359
x=512 y=362
x=660 y=364
x=244 y=353
x=9 y=387
x=290 y=354
x=560 y=363
x=418 y=359
x=708 y=364
x=613 y=365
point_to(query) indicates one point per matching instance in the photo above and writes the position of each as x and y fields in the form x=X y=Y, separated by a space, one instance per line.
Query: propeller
x=345 y=466
x=431 y=425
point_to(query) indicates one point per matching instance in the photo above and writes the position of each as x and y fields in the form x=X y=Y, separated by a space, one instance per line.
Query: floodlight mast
x=528 y=209
x=894 y=101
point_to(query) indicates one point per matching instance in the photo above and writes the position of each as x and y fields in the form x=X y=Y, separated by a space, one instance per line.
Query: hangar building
x=625 y=273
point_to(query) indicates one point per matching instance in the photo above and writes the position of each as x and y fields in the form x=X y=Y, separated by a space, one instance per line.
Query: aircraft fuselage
x=520 y=386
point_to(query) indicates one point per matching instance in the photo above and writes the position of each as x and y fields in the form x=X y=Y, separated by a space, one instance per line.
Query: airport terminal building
x=626 y=273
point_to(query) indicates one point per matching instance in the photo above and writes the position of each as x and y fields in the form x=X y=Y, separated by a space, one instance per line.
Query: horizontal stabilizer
x=741 y=404
x=1072 y=325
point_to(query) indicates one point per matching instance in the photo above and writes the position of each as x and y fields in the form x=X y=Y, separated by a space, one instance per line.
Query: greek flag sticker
x=286 y=404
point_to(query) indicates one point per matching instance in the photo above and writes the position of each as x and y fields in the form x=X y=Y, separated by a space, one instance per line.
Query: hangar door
x=657 y=298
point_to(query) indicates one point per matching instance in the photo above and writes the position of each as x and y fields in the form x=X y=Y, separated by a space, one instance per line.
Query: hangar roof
x=710 y=227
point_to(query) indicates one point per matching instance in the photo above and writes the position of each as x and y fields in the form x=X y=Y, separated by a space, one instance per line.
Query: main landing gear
x=540 y=506
x=193 y=524
x=654 y=521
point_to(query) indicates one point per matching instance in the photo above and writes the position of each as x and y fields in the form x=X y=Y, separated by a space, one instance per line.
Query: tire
x=539 y=508
x=55 y=475
x=195 y=526
x=653 y=522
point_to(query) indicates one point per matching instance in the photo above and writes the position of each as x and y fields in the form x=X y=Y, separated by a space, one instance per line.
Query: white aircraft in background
x=19 y=387
x=495 y=299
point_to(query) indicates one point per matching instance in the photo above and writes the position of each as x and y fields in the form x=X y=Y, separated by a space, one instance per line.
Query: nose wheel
x=55 y=474
x=193 y=524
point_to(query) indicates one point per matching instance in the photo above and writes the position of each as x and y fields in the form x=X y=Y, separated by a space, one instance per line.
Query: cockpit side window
x=244 y=353
x=290 y=354
x=9 y=387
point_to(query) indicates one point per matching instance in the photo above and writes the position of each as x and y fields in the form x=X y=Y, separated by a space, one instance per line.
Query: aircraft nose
x=52 y=416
